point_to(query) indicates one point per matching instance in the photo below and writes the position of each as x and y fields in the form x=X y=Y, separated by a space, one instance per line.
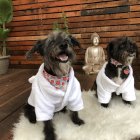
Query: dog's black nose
x=63 y=46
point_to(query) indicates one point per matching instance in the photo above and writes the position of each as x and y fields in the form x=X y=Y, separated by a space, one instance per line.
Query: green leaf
x=6 y=11
x=4 y=33
x=56 y=26
x=10 y=16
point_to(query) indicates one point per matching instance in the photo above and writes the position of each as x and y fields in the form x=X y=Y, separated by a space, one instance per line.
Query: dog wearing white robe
x=54 y=87
x=116 y=75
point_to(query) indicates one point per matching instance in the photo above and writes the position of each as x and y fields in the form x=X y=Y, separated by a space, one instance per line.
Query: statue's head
x=95 y=39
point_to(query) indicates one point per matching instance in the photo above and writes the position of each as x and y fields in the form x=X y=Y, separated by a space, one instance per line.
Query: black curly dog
x=123 y=50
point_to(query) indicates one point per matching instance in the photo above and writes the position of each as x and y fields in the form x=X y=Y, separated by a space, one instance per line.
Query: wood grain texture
x=33 y=20
x=15 y=90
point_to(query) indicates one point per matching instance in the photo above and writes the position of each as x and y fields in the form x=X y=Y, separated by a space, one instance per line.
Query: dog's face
x=123 y=50
x=59 y=47
x=56 y=49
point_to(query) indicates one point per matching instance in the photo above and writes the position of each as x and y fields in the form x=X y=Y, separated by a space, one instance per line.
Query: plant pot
x=4 y=64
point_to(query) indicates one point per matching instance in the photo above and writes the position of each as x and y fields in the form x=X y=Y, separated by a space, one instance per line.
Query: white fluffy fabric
x=47 y=100
x=118 y=122
x=106 y=86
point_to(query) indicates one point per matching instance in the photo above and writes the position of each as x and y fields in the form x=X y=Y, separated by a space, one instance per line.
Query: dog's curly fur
x=57 y=44
x=123 y=50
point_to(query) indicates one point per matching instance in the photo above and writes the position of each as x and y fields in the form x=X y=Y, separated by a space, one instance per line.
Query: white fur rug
x=118 y=122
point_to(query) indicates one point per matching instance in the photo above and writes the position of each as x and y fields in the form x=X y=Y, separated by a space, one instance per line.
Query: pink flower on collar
x=58 y=83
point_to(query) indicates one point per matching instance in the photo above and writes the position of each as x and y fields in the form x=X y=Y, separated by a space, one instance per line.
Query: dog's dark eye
x=51 y=43
x=68 y=41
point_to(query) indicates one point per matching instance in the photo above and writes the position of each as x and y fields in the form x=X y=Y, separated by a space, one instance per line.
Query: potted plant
x=6 y=14
x=58 y=27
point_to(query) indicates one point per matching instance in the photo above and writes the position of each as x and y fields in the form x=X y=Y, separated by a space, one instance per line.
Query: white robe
x=106 y=86
x=47 y=99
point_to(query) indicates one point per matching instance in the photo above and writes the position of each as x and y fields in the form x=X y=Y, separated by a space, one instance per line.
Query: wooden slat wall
x=33 y=19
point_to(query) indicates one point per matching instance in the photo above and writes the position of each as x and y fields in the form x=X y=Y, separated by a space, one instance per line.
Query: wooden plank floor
x=14 y=91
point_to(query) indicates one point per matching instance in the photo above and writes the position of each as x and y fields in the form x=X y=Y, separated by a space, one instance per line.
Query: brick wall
x=33 y=19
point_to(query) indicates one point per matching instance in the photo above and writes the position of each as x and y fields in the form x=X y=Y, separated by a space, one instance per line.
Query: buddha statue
x=94 y=56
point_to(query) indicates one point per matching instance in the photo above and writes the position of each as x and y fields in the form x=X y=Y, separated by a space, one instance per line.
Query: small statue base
x=92 y=69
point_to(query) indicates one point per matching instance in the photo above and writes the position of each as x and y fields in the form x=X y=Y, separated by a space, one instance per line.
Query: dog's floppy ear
x=134 y=44
x=137 y=50
x=73 y=41
x=137 y=53
x=109 y=49
x=38 y=47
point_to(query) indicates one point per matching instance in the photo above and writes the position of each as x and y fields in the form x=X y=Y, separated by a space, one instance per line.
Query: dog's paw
x=78 y=122
x=32 y=120
x=64 y=110
x=75 y=118
x=127 y=102
x=105 y=105
x=50 y=137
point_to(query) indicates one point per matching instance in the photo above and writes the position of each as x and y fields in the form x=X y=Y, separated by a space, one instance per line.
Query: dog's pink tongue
x=63 y=57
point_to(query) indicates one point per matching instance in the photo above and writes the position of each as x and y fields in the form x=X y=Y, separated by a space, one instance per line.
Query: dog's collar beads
x=126 y=70
x=58 y=83
x=115 y=62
